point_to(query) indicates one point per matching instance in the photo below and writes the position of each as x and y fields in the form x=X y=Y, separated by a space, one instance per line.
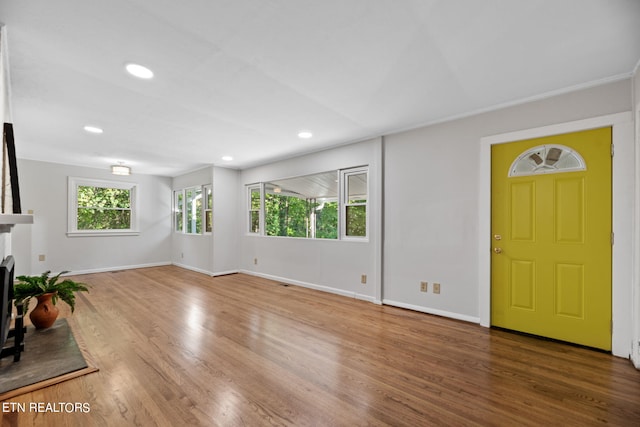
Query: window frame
x=345 y=203
x=178 y=210
x=207 y=195
x=191 y=194
x=250 y=210
x=342 y=201
x=72 y=203
x=205 y=191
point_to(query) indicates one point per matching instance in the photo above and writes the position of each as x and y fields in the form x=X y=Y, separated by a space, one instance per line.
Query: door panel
x=551 y=234
x=570 y=210
x=523 y=284
x=523 y=226
x=570 y=290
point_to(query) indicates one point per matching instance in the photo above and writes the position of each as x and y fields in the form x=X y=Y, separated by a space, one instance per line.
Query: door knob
x=497 y=250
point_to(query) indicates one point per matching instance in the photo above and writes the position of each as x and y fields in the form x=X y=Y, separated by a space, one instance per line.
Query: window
x=547 y=159
x=325 y=219
x=304 y=206
x=99 y=207
x=254 y=209
x=309 y=206
x=355 y=203
x=178 y=211
x=208 y=209
x=193 y=210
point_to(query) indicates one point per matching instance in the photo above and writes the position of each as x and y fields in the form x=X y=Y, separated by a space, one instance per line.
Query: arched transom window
x=547 y=159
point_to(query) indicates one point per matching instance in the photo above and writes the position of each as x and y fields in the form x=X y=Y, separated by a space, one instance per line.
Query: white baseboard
x=196 y=269
x=224 y=273
x=437 y=312
x=207 y=272
x=322 y=288
x=368 y=298
x=116 y=268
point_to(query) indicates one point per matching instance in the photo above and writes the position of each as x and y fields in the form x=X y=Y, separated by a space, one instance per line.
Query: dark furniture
x=6 y=301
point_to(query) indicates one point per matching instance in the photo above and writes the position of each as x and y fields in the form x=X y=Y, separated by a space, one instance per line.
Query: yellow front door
x=551 y=237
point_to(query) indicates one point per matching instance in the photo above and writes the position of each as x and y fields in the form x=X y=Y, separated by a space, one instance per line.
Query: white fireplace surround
x=7 y=221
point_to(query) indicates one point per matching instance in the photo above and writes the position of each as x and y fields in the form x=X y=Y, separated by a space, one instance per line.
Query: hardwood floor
x=175 y=347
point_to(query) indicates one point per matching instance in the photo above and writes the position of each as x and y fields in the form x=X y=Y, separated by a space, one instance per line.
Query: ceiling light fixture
x=93 y=129
x=120 y=169
x=139 y=71
x=227 y=158
x=305 y=134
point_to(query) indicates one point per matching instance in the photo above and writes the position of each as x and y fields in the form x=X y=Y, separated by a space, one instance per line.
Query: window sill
x=192 y=234
x=316 y=239
x=102 y=233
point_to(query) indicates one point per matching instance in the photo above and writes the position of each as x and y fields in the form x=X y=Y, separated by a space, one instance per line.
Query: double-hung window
x=100 y=207
x=178 y=211
x=208 y=208
x=193 y=210
x=354 y=216
x=254 y=202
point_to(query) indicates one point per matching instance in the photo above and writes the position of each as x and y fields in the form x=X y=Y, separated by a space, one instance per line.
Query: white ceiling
x=320 y=185
x=243 y=77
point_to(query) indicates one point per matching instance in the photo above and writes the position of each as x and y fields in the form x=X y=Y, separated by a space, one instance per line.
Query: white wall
x=215 y=253
x=432 y=197
x=226 y=219
x=43 y=190
x=334 y=266
x=193 y=251
x=636 y=234
x=430 y=215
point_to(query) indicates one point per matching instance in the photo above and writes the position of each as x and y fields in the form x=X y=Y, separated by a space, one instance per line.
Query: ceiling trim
x=521 y=101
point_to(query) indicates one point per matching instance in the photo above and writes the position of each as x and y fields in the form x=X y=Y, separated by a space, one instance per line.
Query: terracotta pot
x=45 y=312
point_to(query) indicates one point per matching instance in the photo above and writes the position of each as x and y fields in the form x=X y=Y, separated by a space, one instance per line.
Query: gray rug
x=49 y=354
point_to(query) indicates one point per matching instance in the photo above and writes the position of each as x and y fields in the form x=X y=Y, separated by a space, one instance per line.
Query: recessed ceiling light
x=93 y=129
x=227 y=158
x=139 y=71
x=305 y=134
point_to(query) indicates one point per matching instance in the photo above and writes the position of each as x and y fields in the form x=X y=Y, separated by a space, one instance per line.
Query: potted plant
x=47 y=290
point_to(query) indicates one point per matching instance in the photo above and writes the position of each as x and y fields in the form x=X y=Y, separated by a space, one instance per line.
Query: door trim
x=623 y=205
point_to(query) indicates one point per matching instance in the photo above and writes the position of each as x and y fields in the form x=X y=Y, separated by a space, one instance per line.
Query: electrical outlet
x=181 y=254
x=423 y=286
x=41 y=257
x=255 y=261
x=363 y=279
x=436 y=288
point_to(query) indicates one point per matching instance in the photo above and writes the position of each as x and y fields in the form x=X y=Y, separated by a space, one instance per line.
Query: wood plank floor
x=175 y=347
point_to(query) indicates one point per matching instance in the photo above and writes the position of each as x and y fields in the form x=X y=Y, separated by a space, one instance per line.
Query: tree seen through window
x=103 y=208
x=327 y=205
